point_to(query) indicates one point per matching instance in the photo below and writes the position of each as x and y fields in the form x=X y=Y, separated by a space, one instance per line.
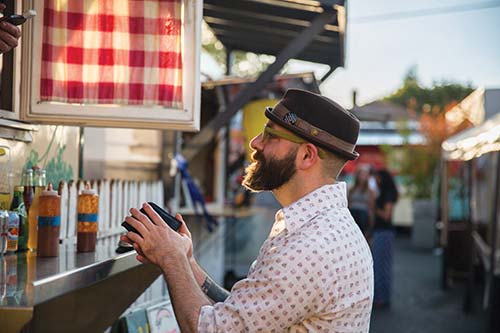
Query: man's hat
x=318 y=120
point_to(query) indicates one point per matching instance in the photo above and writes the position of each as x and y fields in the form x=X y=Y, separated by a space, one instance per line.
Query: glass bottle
x=88 y=209
x=4 y=223
x=17 y=206
x=49 y=223
x=39 y=186
x=13 y=232
x=4 y=177
x=28 y=192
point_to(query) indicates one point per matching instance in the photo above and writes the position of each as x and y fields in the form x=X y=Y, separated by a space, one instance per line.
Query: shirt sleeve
x=280 y=291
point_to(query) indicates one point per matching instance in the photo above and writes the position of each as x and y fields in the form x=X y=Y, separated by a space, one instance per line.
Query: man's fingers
x=4 y=47
x=142 y=259
x=138 y=225
x=134 y=237
x=140 y=255
x=183 y=229
x=13 y=31
x=138 y=249
x=8 y=39
x=125 y=239
x=155 y=218
x=143 y=218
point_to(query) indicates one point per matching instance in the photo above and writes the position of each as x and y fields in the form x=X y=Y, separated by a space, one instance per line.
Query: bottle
x=4 y=222
x=17 y=206
x=13 y=232
x=39 y=186
x=4 y=177
x=49 y=223
x=28 y=192
x=88 y=210
x=11 y=278
x=3 y=278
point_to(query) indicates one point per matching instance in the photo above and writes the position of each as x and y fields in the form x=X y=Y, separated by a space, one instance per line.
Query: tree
x=437 y=98
x=418 y=163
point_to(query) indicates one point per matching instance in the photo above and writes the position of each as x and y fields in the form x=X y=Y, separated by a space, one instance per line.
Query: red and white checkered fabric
x=112 y=52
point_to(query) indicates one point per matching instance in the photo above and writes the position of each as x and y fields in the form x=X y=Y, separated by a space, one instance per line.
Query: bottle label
x=13 y=229
x=87 y=217
x=49 y=221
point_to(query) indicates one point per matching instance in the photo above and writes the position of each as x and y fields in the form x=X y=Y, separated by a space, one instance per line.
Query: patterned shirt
x=314 y=273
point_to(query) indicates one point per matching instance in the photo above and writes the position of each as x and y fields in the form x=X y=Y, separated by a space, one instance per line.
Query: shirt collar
x=326 y=197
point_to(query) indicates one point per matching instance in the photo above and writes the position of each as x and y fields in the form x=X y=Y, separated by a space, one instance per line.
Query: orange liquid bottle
x=88 y=210
x=49 y=223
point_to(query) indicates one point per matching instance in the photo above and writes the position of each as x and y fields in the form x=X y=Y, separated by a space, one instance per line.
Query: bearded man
x=314 y=273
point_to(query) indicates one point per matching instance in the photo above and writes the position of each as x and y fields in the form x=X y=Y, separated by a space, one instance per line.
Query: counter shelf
x=74 y=292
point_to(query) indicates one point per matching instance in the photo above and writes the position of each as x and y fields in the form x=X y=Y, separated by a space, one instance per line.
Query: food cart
x=61 y=79
x=478 y=150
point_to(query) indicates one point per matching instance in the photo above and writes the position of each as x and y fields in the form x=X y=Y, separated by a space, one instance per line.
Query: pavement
x=418 y=303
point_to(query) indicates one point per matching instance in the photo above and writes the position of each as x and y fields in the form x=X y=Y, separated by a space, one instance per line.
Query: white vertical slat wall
x=72 y=211
x=116 y=197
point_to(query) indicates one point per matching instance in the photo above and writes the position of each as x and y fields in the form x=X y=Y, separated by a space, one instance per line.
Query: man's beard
x=267 y=174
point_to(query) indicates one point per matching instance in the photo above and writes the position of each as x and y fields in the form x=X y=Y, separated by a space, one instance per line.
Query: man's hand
x=158 y=243
x=9 y=34
x=173 y=252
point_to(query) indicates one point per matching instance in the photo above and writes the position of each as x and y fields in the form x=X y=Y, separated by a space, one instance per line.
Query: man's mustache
x=257 y=156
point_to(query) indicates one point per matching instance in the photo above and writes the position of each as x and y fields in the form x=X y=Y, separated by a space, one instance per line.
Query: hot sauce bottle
x=49 y=223
x=88 y=210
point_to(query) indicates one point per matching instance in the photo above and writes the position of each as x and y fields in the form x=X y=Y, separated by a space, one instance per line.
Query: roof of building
x=381 y=111
x=267 y=26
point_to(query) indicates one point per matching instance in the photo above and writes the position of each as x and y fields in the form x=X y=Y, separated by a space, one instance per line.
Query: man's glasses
x=271 y=133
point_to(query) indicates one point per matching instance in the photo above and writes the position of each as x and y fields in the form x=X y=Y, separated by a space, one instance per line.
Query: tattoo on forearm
x=215 y=292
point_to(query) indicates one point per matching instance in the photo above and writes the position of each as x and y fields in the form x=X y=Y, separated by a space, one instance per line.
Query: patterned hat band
x=307 y=130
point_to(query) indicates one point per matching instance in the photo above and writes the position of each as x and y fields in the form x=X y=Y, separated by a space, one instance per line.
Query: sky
x=462 y=47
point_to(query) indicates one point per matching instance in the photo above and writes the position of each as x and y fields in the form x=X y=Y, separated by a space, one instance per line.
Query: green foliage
x=57 y=169
x=32 y=160
x=420 y=99
x=417 y=164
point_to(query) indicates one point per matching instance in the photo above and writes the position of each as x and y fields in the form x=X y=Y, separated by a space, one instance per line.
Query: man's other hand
x=9 y=34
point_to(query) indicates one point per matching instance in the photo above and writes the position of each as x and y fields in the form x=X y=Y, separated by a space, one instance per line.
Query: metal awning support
x=290 y=51
x=445 y=220
x=494 y=280
x=327 y=74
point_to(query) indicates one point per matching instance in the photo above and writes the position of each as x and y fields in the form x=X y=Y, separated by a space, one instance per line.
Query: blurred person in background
x=372 y=181
x=383 y=238
x=9 y=34
x=361 y=200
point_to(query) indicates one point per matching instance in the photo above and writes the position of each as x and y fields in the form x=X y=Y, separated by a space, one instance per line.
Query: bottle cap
x=49 y=191
x=87 y=190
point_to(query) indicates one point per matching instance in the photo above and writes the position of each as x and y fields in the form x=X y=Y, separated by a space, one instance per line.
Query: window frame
x=134 y=116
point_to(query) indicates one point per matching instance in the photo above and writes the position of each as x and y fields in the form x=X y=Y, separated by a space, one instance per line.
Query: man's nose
x=256 y=142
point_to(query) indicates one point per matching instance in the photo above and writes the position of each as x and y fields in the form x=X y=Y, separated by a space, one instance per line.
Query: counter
x=75 y=292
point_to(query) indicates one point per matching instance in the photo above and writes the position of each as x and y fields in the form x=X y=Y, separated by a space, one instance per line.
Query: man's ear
x=308 y=156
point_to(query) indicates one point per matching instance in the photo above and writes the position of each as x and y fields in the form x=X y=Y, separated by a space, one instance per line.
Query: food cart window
x=113 y=63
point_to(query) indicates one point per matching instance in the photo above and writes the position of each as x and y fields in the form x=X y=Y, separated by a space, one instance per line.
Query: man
x=314 y=272
x=9 y=34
